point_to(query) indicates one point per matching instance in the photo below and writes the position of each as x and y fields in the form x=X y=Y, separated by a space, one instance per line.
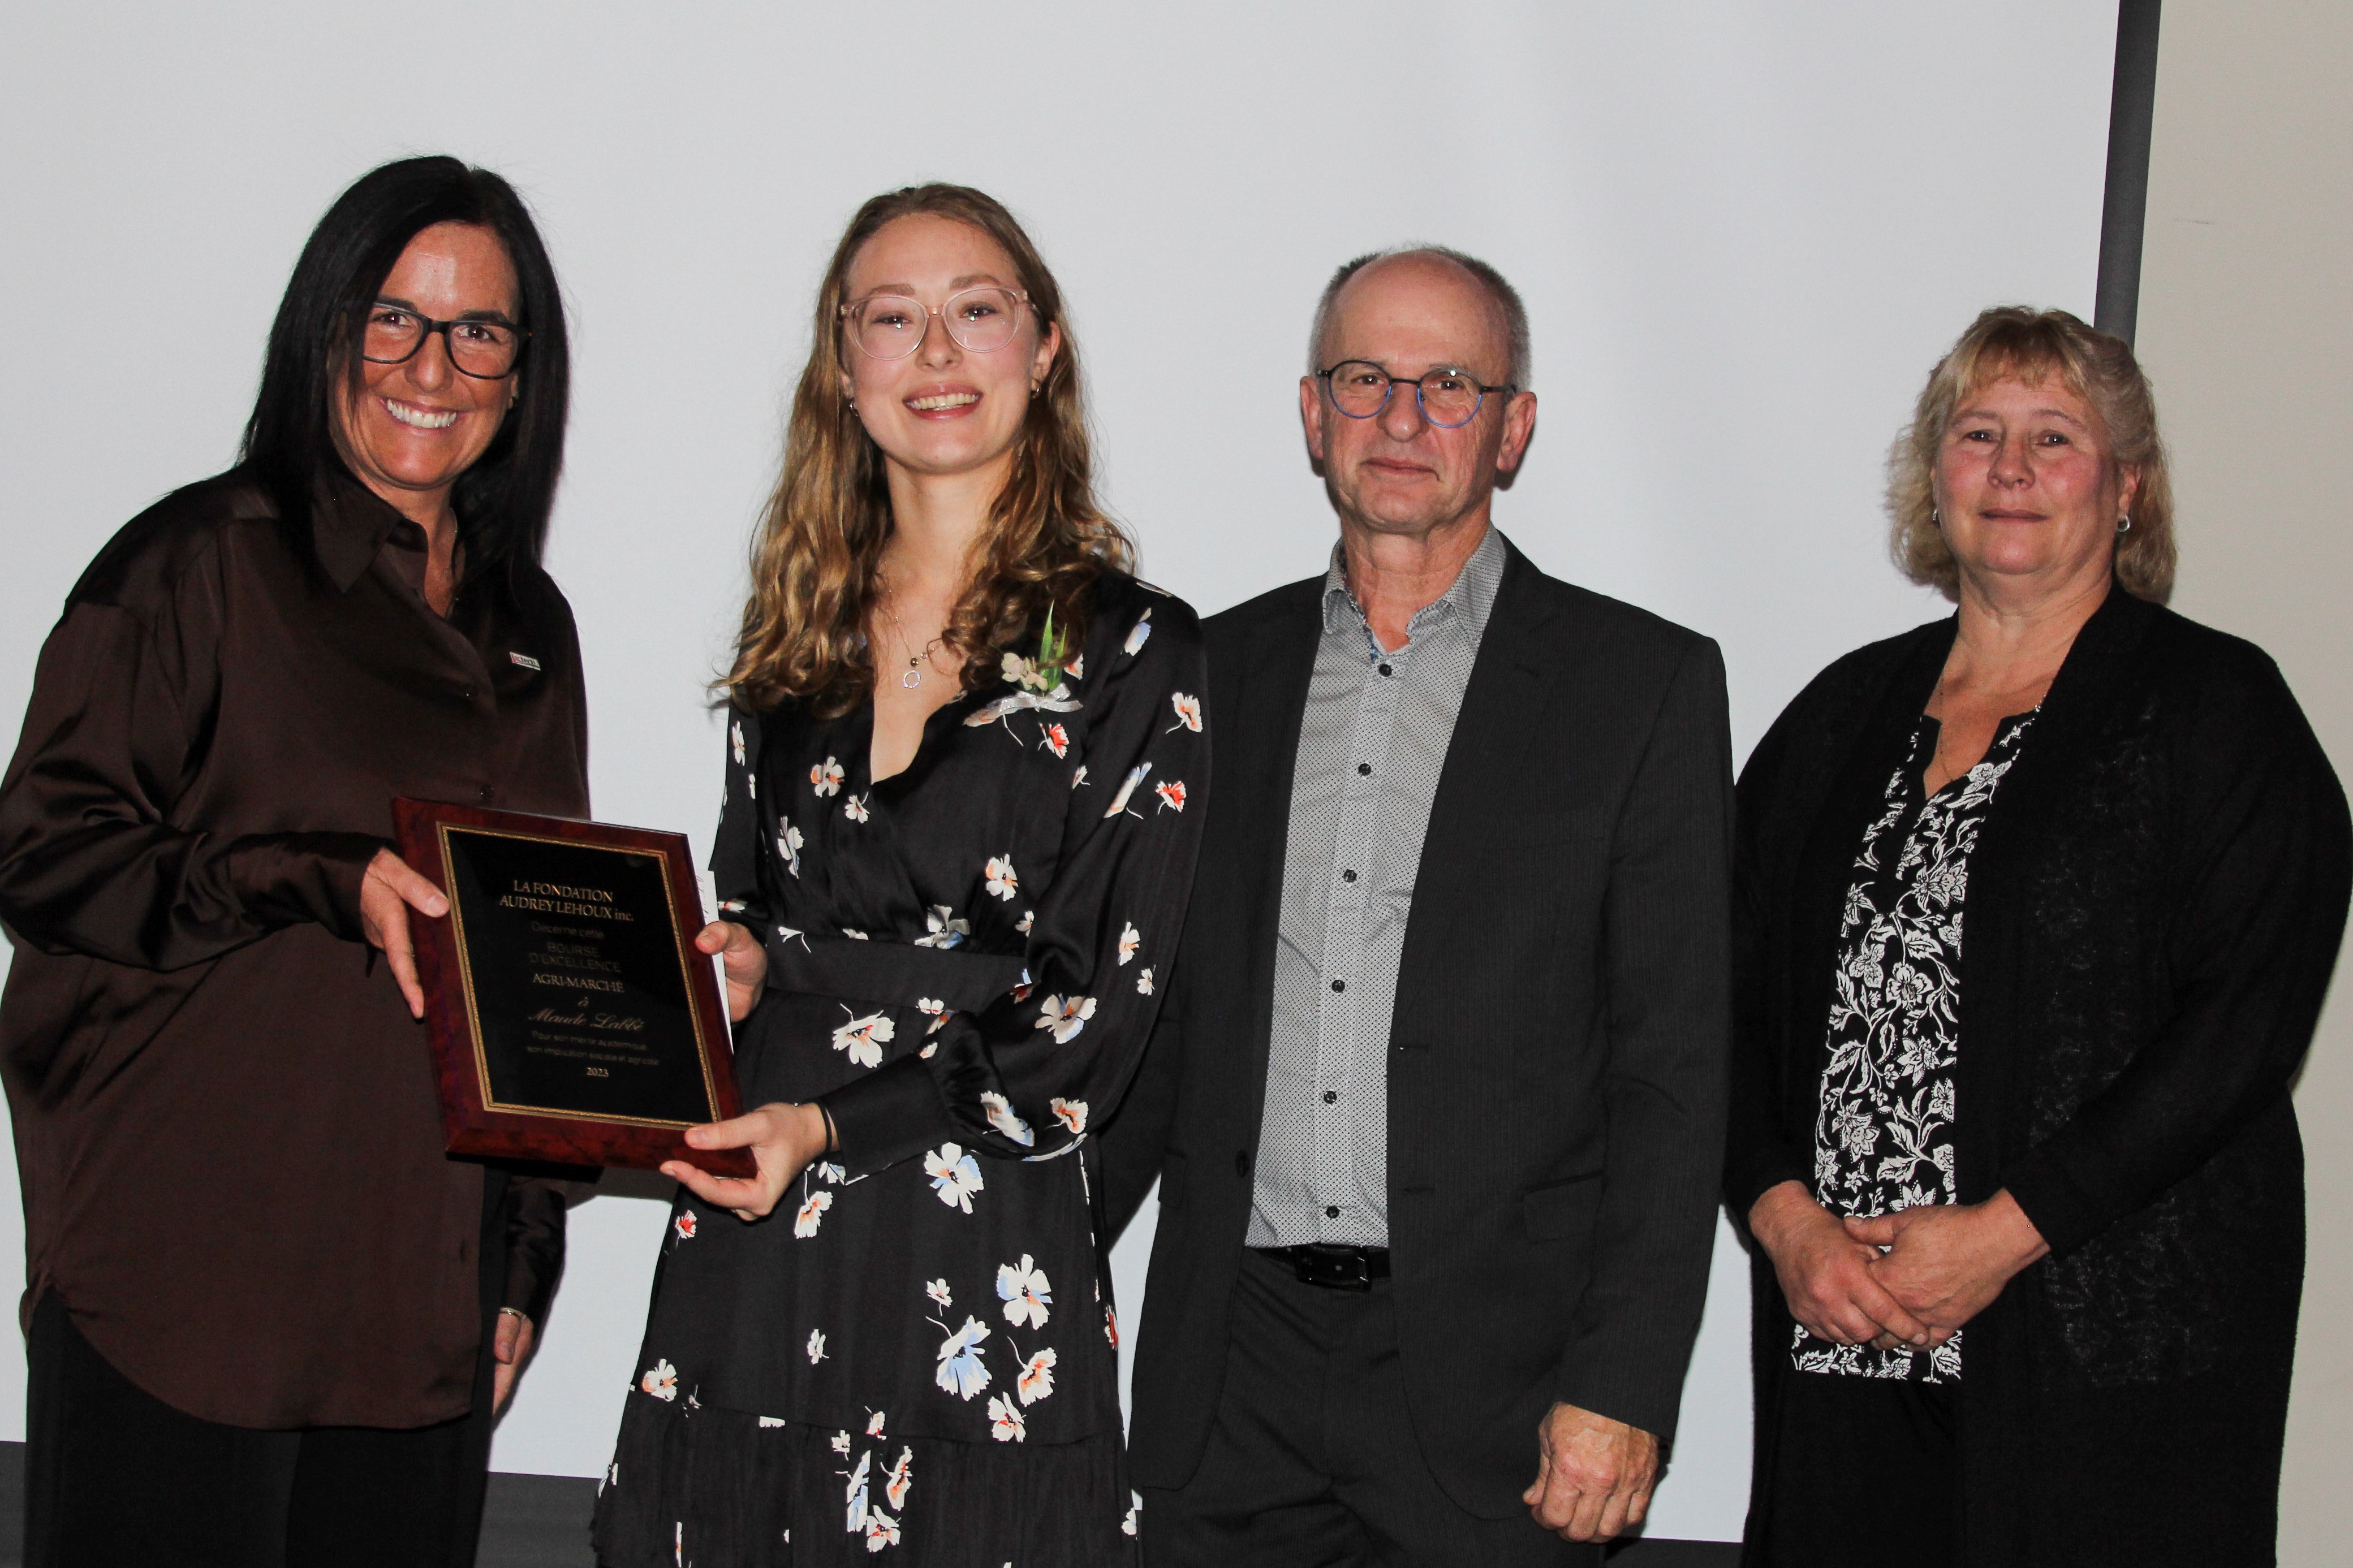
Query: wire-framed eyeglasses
x=891 y=326
x=482 y=347
x=1360 y=389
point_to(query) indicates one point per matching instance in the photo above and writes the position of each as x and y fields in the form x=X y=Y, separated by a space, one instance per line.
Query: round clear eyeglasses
x=891 y=326
x=1361 y=389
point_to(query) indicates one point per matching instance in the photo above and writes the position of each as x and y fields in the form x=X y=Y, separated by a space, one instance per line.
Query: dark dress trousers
x=1556 y=1069
x=2155 y=903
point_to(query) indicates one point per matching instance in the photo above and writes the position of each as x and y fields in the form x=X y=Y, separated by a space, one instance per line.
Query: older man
x=1437 y=1102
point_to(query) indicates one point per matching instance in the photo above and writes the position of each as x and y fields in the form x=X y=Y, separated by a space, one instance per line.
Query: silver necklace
x=913 y=676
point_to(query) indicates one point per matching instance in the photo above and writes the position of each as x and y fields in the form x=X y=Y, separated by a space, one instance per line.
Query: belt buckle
x=1333 y=1267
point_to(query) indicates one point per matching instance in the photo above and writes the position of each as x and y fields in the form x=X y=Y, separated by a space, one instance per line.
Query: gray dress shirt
x=1372 y=743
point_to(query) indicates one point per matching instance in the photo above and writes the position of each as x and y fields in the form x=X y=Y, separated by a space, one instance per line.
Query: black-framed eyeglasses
x=485 y=349
x=1360 y=389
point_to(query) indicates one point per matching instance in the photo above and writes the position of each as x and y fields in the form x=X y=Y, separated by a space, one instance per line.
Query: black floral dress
x=915 y=1355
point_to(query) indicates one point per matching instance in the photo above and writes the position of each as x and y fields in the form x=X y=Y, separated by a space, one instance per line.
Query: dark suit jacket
x=1556 y=1070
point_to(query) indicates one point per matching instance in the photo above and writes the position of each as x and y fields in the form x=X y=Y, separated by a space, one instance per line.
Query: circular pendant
x=912 y=679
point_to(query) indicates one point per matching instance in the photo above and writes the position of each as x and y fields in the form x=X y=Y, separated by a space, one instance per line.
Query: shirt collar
x=1469 y=599
x=349 y=526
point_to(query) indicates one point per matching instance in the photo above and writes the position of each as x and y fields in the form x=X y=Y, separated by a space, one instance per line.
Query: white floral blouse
x=962 y=969
x=1884 y=1137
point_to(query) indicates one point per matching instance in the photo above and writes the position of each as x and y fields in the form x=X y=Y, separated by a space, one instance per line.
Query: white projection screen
x=1744 y=231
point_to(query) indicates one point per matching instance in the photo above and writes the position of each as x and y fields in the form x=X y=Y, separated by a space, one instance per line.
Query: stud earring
x=1936 y=518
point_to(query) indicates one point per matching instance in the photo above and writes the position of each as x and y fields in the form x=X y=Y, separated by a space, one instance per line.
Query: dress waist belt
x=893 y=973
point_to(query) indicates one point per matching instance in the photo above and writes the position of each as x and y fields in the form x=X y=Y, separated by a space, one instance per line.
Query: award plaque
x=572 y=1017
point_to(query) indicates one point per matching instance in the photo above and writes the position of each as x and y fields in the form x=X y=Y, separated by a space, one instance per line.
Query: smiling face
x=2028 y=496
x=1397 y=472
x=944 y=409
x=410 y=429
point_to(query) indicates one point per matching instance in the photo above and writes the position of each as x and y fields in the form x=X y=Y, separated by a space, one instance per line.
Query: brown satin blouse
x=226 y=1119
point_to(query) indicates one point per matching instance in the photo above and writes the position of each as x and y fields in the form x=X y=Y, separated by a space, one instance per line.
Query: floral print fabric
x=1884 y=1137
x=960 y=966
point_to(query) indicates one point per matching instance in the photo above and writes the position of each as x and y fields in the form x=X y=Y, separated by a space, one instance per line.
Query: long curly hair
x=816 y=557
x=2031 y=344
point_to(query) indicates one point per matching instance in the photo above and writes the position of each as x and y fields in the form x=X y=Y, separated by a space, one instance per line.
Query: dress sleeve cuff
x=1748 y=1178
x=286 y=878
x=893 y=1113
x=2061 y=1210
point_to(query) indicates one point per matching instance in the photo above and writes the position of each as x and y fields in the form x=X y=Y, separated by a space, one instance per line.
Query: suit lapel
x=1509 y=683
x=1263 y=736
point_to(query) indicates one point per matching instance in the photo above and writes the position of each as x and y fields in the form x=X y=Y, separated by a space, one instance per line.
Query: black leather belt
x=1333 y=1267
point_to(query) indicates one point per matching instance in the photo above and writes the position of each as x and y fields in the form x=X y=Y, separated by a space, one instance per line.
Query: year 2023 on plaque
x=570 y=1016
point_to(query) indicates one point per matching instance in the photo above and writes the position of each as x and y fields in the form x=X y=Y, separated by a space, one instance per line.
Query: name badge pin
x=525 y=660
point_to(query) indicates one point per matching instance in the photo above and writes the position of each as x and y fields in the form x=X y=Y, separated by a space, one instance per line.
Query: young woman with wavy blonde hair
x=956 y=849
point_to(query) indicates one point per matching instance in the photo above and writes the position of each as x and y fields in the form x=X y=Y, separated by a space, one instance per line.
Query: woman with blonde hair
x=956 y=848
x=2029 y=1204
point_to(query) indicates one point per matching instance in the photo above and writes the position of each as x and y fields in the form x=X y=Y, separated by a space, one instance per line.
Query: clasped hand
x=1908 y=1280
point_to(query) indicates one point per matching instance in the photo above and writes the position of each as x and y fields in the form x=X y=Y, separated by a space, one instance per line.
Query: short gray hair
x=1506 y=298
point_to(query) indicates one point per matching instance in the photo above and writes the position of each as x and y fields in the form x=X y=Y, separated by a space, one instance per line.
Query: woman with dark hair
x=269 y=1322
x=2029 y=1204
x=955 y=851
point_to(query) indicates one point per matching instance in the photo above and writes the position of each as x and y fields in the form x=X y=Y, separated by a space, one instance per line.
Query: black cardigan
x=2155 y=907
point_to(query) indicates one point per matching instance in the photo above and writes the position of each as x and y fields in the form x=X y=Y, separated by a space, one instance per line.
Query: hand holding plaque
x=572 y=1017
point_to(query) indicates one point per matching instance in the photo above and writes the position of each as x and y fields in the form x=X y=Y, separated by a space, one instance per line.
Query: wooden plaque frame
x=473 y=1122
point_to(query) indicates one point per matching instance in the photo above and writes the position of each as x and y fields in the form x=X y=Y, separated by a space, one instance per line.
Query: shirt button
x=486 y=792
x=1331 y=1211
x=467 y=694
x=1365 y=769
x=1331 y=1095
x=1386 y=670
x=1347 y=875
x=1339 y=985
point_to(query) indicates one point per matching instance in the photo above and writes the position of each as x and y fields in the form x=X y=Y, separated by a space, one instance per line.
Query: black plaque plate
x=572 y=1017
